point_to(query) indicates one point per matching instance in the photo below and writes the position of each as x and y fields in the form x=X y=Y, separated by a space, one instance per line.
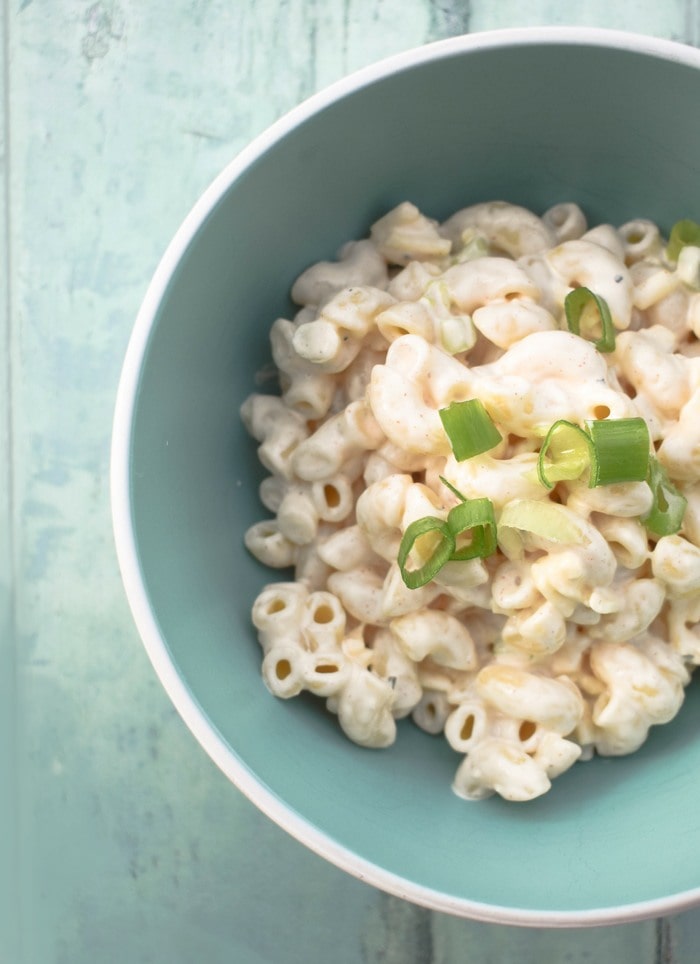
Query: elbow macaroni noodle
x=544 y=652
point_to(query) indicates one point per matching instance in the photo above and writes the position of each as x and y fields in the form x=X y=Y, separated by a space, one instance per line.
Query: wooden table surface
x=121 y=841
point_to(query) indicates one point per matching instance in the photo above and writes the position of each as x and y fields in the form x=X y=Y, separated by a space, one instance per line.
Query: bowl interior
x=535 y=123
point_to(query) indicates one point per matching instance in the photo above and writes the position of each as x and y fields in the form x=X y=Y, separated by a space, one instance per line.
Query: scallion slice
x=668 y=508
x=476 y=517
x=469 y=428
x=453 y=490
x=548 y=520
x=586 y=314
x=457 y=334
x=566 y=453
x=683 y=233
x=621 y=450
x=442 y=551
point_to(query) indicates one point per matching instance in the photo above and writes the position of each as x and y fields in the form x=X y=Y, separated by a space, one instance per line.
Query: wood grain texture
x=133 y=847
x=675 y=20
x=9 y=933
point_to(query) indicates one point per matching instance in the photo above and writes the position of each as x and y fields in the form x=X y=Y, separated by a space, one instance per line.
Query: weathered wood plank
x=468 y=942
x=673 y=19
x=122 y=113
x=691 y=26
x=9 y=931
x=679 y=939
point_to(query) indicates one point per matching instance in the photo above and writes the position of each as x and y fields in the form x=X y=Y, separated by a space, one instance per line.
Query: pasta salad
x=484 y=472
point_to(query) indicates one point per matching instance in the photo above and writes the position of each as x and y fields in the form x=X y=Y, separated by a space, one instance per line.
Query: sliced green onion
x=683 y=233
x=566 y=453
x=621 y=450
x=548 y=520
x=457 y=334
x=616 y=450
x=469 y=428
x=666 y=514
x=437 y=294
x=414 y=578
x=476 y=517
x=586 y=312
x=688 y=266
x=473 y=245
x=453 y=490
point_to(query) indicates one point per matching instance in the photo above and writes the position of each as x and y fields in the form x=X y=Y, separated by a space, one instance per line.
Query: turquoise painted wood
x=121 y=841
x=9 y=930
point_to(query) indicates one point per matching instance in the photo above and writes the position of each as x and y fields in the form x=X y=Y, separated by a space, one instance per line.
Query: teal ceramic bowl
x=606 y=119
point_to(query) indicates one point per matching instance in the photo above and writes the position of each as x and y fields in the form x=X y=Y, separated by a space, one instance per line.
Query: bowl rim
x=120 y=494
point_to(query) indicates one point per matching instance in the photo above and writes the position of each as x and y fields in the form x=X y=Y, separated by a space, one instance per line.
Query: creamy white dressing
x=566 y=640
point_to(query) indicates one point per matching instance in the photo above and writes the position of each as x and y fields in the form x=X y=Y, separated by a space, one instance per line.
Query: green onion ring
x=569 y=450
x=581 y=300
x=683 y=233
x=668 y=508
x=475 y=516
x=414 y=578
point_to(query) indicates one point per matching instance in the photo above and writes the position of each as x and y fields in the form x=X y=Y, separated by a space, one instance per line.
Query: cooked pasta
x=532 y=597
